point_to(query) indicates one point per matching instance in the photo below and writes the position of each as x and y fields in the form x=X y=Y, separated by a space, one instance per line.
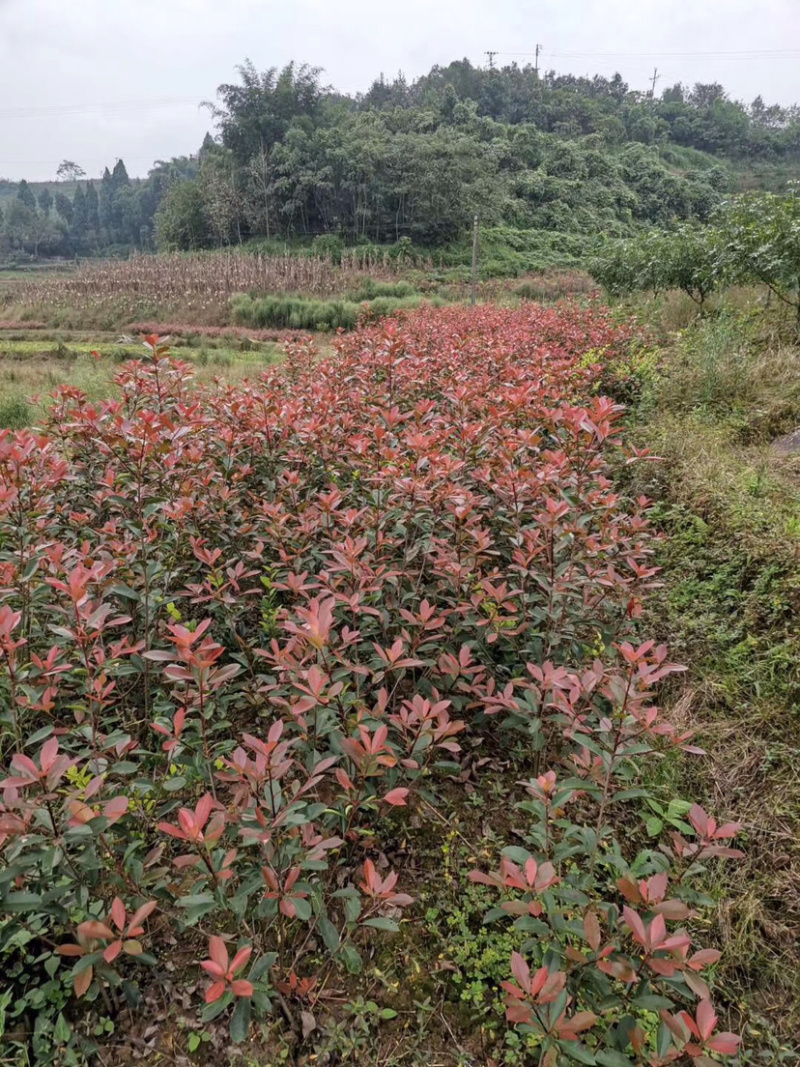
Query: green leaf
x=5 y=1000
x=62 y=1030
x=610 y=1058
x=211 y=1011
x=329 y=934
x=629 y=794
x=22 y=901
x=123 y=590
x=195 y=900
x=303 y=908
x=262 y=965
x=172 y=785
x=85 y=962
x=517 y=854
x=664 y=1040
x=193 y=1043
x=493 y=914
x=578 y=1052
x=240 y=1021
x=351 y=959
x=40 y=735
x=352 y=908
x=387 y=1013
x=654 y=825
x=125 y=767
x=382 y=924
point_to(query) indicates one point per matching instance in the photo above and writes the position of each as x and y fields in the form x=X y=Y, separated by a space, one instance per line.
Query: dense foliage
x=245 y=631
x=293 y=159
x=687 y=258
x=750 y=239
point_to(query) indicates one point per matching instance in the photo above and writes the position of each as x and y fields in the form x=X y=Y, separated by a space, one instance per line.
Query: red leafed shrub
x=245 y=629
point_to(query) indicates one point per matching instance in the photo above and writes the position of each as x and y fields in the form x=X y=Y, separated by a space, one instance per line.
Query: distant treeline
x=292 y=160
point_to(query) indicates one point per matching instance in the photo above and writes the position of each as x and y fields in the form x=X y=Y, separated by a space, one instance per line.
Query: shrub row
x=300 y=313
x=245 y=631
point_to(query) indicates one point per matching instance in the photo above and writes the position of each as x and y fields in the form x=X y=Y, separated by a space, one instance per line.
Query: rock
x=789 y=443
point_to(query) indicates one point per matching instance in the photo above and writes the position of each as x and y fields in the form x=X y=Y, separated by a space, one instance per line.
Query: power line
x=744 y=54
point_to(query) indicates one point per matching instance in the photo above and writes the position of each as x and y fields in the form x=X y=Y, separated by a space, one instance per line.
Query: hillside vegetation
x=295 y=161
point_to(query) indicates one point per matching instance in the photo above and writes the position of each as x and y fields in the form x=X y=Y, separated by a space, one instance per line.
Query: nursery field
x=330 y=715
x=353 y=594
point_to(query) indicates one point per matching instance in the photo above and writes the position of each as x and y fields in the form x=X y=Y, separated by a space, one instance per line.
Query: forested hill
x=555 y=156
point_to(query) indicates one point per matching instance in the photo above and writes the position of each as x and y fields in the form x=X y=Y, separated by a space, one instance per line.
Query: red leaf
x=214 y=992
x=521 y=971
x=82 y=981
x=706 y=1019
x=726 y=1043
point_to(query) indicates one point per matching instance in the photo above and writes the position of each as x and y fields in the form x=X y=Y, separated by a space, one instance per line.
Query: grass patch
x=301 y=313
x=30 y=371
x=723 y=388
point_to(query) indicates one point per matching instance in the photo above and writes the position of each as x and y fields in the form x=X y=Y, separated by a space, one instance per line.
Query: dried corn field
x=198 y=284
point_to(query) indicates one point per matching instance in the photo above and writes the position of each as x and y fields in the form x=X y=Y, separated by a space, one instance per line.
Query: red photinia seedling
x=652 y=891
x=381 y=890
x=360 y=572
x=531 y=878
x=697 y=1036
x=224 y=971
x=290 y=900
x=194 y=826
x=124 y=939
x=52 y=768
x=530 y=996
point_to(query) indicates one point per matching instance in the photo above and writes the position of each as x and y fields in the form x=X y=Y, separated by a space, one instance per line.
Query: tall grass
x=300 y=313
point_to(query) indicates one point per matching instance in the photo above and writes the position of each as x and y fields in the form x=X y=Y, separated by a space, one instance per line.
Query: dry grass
x=730 y=506
x=200 y=285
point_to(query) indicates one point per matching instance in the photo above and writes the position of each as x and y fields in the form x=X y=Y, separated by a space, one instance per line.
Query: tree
x=92 y=208
x=259 y=192
x=760 y=239
x=64 y=207
x=221 y=196
x=119 y=175
x=26 y=195
x=258 y=113
x=69 y=171
x=79 y=227
x=29 y=229
x=45 y=201
x=18 y=223
x=180 y=222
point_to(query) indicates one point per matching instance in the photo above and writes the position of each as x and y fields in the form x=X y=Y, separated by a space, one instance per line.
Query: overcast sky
x=95 y=80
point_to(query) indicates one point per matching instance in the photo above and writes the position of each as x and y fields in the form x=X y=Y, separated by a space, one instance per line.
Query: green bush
x=328 y=246
x=687 y=258
x=294 y=313
x=369 y=289
x=299 y=313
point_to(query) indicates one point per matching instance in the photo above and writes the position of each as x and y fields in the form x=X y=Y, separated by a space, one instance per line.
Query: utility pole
x=656 y=77
x=536 y=64
x=474 y=261
x=491 y=56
